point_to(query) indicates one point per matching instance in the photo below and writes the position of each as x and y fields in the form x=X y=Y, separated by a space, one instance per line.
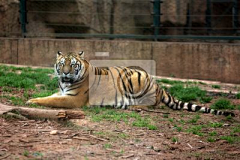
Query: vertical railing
x=235 y=15
x=209 y=17
x=156 y=17
x=23 y=17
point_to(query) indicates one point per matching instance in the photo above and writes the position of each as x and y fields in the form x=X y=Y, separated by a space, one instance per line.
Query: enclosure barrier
x=131 y=19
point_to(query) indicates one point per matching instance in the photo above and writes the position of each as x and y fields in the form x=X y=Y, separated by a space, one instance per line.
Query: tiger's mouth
x=67 y=80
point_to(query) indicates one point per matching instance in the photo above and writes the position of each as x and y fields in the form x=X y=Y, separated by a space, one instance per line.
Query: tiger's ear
x=59 y=53
x=81 y=54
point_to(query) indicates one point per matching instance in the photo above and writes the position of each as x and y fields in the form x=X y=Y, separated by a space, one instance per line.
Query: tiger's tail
x=174 y=104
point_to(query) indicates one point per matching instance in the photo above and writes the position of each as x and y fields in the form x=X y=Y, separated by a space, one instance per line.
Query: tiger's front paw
x=33 y=101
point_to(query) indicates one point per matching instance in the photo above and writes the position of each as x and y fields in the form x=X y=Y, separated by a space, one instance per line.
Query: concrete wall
x=207 y=61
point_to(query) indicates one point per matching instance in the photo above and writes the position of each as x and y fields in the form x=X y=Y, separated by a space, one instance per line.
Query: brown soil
x=37 y=139
x=85 y=139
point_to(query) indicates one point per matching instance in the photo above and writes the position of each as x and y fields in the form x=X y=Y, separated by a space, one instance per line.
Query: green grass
x=19 y=84
x=195 y=130
x=171 y=82
x=215 y=125
x=206 y=99
x=26 y=153
x=188 y=94
x=181 y=121
x=37 y=154
x=170 y=120
x=107 y=145
x=194 y=119
x=238 y=95
x=238 y=107
x=179 y=129
x=165 y=115
x=216 y=86
x=144 y=122
x=174 y=139
x=235 y=130
x=26 y=77
x=214 y=133
x=230 y=139
x=104 y=113
x=98 y=114
x=211 y=139
x=44 y=93
x=222 y=104
x=17 y=101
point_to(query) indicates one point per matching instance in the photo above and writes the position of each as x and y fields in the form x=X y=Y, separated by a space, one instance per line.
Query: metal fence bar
x=23 y=17
x=132 y=36
x=156 y=16
x=235 y=16
x=208 y=17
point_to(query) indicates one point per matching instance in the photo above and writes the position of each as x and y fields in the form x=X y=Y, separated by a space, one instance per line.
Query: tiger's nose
x=66 y=70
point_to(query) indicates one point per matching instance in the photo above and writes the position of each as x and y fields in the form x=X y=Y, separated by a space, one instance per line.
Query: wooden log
x=42 y=113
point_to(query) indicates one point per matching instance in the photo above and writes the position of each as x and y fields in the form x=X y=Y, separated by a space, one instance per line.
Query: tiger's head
x=70 y=67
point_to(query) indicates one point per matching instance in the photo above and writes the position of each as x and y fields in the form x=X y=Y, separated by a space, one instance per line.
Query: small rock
x=156 y=149
x=65 y=132
x=54 y=132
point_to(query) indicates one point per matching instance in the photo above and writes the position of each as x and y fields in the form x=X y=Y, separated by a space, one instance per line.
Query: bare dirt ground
x=86 y=139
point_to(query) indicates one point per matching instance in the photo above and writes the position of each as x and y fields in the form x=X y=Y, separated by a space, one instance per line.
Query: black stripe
x=76 y=83
x=96 y=71
x=169 y=99
x=72 y=88
x=198 y=108
x=208 y=110
x=139 y=78
x=131 y=71
x=177 y=104
x=215 y=112
x=59 y=84
x=131 y=86
x=125 y=89
x=116 y=99
x=189 y=107
x=226 y=113
x=86 y=91
x=147 y=89
x=182 y=105
x=80 y=65
x=122 y=101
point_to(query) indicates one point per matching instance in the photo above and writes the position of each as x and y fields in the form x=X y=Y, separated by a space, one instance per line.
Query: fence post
x=209 y=16
x=235 y=15
x=23 y=17
x=156 y=17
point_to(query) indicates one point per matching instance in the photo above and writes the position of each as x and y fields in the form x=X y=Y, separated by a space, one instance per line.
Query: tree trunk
x=42 y=113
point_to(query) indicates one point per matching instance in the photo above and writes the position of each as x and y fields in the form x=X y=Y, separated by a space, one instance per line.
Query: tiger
x=82 y=84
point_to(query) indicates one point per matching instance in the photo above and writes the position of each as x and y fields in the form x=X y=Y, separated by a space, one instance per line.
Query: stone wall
x=206 y=61
x=9 y=18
